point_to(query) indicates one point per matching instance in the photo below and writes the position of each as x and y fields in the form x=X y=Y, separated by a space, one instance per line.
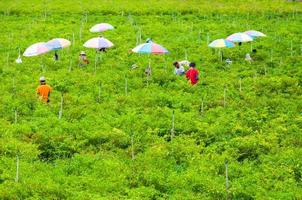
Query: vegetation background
x=114 y=138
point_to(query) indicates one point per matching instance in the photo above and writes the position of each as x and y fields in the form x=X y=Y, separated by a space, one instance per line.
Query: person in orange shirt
x=43 y=90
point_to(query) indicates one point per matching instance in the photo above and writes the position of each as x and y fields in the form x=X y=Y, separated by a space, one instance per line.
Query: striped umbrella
x=36 y=49
x=239 y=37
x=150 y=48
x=98 y=43
x=254 y=33
x=58 y=43
x=101 y=27
x=220 y=43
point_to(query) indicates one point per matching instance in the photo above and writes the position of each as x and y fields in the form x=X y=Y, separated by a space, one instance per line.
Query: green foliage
x=113 y=144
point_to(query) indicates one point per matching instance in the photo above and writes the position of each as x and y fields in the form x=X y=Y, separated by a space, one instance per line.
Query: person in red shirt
x=192 y=74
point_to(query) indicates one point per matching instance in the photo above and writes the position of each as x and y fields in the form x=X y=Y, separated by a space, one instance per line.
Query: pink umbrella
x=101 y=27
x=36 y=49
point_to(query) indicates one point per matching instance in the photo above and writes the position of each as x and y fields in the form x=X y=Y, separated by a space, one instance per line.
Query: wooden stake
x=61 y=106
x=17 y=169
x=172 y=128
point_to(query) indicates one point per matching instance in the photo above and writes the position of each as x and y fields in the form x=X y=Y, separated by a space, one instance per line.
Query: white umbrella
x=36 y=49
x=58 y=43
x=254 y=33
x=239 y=37
x=101 y=27
x=98 y=43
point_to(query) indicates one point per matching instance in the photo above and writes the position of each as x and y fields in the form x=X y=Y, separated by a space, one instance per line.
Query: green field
x=114 y=138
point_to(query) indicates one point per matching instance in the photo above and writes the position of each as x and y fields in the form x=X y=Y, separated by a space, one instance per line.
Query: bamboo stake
x=17 y=169
x=199 y=36
x=16 y=116
x=291 y=48
x=14 y=86
x=7 y=60
x=201 y=109
x=208 y=38
x=224 y=97
x=240 y=85
x=172 y=128
x=70 y=64
x=126 y=86
x=73 y=39
x=226 y=179
x=95 y=62
x=61 y=106
x=140 y=35
x=81 y=29
x=132 y=146
x=99 y=92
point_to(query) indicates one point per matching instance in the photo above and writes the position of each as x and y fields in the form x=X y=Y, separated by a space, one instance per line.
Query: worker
x=83 y=59
x=192 y=74
x=43 y=90
x=179 y=67
x=248 y=58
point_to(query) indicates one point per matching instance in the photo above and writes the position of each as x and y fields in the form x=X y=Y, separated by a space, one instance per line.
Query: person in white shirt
x=179 y=67
x=248 y=58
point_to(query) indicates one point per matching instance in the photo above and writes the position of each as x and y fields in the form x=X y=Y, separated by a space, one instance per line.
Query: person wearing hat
x=179 y=67
x=44 y=90
x=83 y=59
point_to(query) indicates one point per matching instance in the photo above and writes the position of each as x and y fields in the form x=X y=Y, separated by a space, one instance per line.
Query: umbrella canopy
x=220 y=43
x=57 y=43
x=98 y=43
x=36 y=49
x=239 y=37
x=101 y=27
x=150 y=48
x=254 y=33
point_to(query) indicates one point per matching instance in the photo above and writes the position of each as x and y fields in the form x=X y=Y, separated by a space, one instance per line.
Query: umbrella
x=101 y=27
x=254 y=33
x=239 y=37
x=220 y=43
x=36 y=49
x=57 y=43
x=98 y=43
x=150 y=48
